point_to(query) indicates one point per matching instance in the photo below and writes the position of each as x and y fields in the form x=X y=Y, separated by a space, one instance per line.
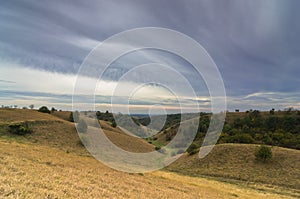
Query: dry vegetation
x=50 y=163
x=237 y=162
x=17 y=115
x=33 y=171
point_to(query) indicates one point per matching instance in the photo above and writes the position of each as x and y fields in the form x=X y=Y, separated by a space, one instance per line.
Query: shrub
x=263 y=153
x=114 y=124
x=242 y=138
x=192 y=149
x=157 y=148
x=44 y=109
x=74 y=116
x=82 y=126
x=19 y=129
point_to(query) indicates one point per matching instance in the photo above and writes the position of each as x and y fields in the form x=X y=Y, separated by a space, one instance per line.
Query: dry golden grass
x=33 y=171
x=124 y=141
x=50 y=163
x=237 y=162
x=50 y=130
x=65 y=115
x=17 y=115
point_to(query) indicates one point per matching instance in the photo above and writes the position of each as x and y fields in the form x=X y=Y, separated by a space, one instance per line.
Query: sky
x=254 y=43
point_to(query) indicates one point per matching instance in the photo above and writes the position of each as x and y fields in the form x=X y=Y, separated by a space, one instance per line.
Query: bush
x=192 y=149
x=44 y=109
x=263 y=153
x=114 y=124
x=82 y=126
x=157 y=148
x=19 y=129
x=74 y=116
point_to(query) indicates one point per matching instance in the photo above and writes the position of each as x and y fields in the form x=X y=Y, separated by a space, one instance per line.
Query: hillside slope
x=55 y=131
x=237 y=162
x=33 y=171
x=52 y=163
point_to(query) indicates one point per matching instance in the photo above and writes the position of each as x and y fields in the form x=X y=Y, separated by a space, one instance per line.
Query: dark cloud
x=254 y=43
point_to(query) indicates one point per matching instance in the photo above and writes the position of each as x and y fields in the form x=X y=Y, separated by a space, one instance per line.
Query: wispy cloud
x=254 y=43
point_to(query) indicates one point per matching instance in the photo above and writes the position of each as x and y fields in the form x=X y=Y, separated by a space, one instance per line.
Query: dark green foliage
x=82 y=126
x=263 y=153
x=279 y=129
x=19 y=129
x=157 y=148
x=145 y=121
x=44 y=109
x=114 y=124
x=109 y=117
x=241 y=138
x=71 y=118
x=74 y=116
x=193 y=149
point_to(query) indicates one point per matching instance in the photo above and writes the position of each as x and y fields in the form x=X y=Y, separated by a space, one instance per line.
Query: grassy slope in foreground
x=237 y=162
x=33 y=171
x=43 y=166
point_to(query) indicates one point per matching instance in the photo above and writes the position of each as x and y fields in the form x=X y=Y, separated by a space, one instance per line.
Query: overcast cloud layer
x=254 y=43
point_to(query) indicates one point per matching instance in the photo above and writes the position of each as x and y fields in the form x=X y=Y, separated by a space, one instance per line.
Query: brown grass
x=124 y=141
x=65 y=115
x=16 y=115
x=237 y=162
x=32 y=171
x=49 y=130
x=50 y=163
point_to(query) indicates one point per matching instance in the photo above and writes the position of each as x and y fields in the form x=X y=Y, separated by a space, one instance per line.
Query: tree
x=53 y=109
x=114 y=124
x=82 y=126
x=263 y=153
x=74 y=116
x=44 y=109
x=31 y=106
x=192 y=149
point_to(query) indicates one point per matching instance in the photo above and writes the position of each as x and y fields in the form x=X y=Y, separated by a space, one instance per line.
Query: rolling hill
x=51 y=163
x=237 y=162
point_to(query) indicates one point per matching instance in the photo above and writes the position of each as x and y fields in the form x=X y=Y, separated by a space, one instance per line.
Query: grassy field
x=237 y=163
x=51 y=163
x=34 y=171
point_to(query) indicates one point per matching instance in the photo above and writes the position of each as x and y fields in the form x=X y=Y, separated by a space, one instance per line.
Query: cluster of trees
x=278 y=129
x=107 y=116
x=16 y=106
